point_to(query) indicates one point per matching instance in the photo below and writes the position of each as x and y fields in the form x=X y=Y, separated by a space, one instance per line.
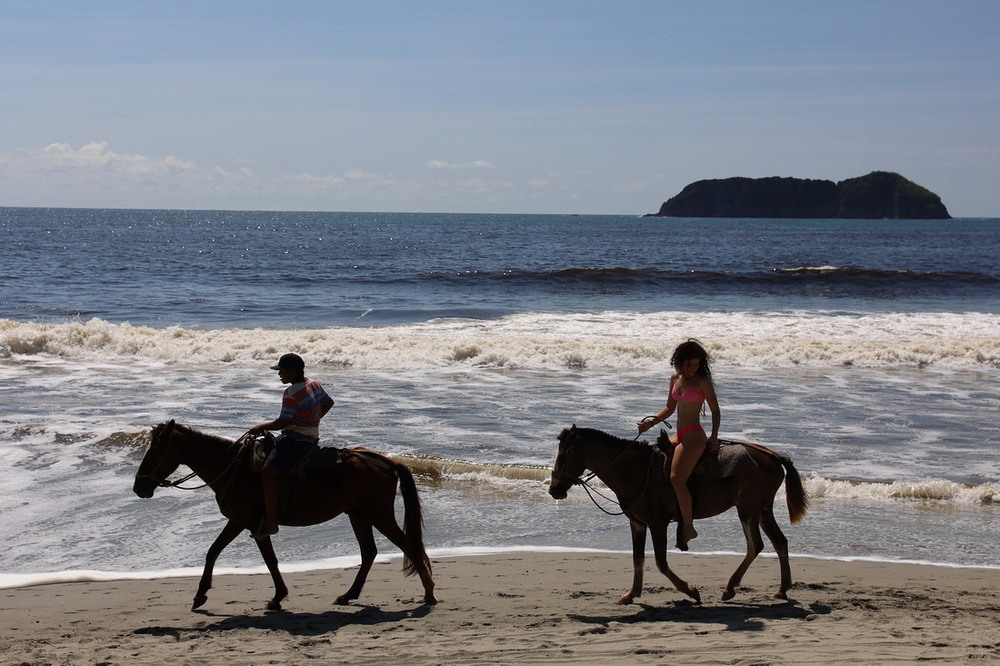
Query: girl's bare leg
x=686 y=456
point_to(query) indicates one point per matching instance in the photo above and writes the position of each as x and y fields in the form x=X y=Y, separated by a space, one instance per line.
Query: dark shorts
x=288 y=450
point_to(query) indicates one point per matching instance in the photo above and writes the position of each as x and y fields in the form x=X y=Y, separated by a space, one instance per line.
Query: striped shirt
x=302 y=404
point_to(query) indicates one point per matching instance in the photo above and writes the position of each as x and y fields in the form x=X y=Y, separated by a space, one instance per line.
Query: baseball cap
x=290 y=362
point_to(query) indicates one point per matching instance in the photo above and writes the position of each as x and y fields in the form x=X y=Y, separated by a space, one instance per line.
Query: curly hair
x=688 y=350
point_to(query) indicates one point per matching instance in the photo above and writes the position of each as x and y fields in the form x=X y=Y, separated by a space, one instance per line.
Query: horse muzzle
x=145 y=486
x=559 y=489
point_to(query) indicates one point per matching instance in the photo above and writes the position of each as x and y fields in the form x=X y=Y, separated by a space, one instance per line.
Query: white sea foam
x=507 y=477
x=545 y=341
x=475 y=407
x=927 y=489
x=9 y=581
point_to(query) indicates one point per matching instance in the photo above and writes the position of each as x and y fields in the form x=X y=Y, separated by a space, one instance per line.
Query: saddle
x=316 y=458
x=708 y=467
x=260 y=446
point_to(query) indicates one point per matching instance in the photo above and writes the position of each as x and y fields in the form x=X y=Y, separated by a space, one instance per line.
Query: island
x=879 y=195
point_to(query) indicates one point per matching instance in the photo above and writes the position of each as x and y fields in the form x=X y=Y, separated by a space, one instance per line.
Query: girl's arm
x=664 y=413
x=708 y=390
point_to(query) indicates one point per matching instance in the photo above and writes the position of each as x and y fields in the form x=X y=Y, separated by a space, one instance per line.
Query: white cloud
x=349 y=177
x=94 y=175
x=96 y=156
x=242 y=173
x=476 y=164
x=347 y=186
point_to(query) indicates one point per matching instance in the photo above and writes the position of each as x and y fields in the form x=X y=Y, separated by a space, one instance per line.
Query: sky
x=505 y=106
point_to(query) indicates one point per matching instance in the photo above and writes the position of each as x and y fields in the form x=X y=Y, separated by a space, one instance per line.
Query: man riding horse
x=303 y=404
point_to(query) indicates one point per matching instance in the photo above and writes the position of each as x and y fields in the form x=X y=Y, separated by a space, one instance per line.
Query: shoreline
x=523 y=607
x=10 y=581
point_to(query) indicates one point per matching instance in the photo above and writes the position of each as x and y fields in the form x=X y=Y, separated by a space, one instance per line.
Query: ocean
x=867 y=350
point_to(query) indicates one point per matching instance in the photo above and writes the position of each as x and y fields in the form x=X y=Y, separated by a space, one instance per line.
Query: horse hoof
x=781 y=595
x=430 y=599
x=343 y=600
x=694 y=594
x=273 y=605
x=728 y=594
x=199 y=601
x=625 y=600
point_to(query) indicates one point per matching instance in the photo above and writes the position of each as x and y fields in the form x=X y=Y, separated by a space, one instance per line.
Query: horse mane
x=195 y=433
x=611 y=440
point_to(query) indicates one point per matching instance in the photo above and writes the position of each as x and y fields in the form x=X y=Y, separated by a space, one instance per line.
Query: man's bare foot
x=265 y=529
x=685 y=534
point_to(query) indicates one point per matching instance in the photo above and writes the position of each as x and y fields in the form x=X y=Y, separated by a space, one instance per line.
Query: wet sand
x=520 y=608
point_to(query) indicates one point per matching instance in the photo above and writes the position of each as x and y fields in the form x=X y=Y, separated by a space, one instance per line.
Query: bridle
x=240 y=444
x=591 y=491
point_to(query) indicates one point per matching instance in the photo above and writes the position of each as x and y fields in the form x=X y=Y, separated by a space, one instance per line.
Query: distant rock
x=879 y=195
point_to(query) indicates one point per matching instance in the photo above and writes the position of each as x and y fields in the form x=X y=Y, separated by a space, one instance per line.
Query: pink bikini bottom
x=686 y=430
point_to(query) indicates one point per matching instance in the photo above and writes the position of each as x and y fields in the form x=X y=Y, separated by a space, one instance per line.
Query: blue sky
x=503 y=106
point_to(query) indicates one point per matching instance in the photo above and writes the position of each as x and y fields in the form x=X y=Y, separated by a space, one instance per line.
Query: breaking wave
x=523 y=479
x=844 y=280
x=440 y=471
x=614 y=340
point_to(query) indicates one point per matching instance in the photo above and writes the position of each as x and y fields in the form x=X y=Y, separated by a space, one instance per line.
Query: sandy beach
x=520 y=608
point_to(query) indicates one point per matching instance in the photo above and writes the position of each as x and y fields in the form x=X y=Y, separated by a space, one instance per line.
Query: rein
x=591 y=491
x=246 y=440
x=583 y=482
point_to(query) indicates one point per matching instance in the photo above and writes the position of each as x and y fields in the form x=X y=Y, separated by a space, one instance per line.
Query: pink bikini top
x=689 y=393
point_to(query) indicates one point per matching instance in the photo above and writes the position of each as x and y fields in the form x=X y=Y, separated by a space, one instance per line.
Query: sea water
x=868 y=351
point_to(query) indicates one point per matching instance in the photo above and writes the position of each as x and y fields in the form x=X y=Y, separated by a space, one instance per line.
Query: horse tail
x=795 y=494
x=413 y=523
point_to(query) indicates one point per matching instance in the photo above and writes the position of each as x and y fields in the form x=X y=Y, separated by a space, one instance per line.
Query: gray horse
x=743 y=475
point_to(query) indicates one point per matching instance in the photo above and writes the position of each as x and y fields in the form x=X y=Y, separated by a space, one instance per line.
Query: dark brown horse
x=742 y=475
x=357 y=482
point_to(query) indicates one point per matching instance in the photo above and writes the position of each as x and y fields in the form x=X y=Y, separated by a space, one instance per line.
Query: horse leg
x=751 y=529
x=388 y=527
x=366 y=541
x=780 y=543
x=229 y=532
x=638 y=562
x=266 y=549
x=659 y=534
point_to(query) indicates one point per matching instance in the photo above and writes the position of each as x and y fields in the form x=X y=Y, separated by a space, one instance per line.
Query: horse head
x=568 y=466
x=158 y=463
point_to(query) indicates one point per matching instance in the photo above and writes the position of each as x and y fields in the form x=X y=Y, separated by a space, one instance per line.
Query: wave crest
x=439 y=470
x=609 y=340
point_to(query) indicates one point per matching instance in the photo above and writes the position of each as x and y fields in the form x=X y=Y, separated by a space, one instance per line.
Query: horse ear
x=572 y=428
x=170 y=426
